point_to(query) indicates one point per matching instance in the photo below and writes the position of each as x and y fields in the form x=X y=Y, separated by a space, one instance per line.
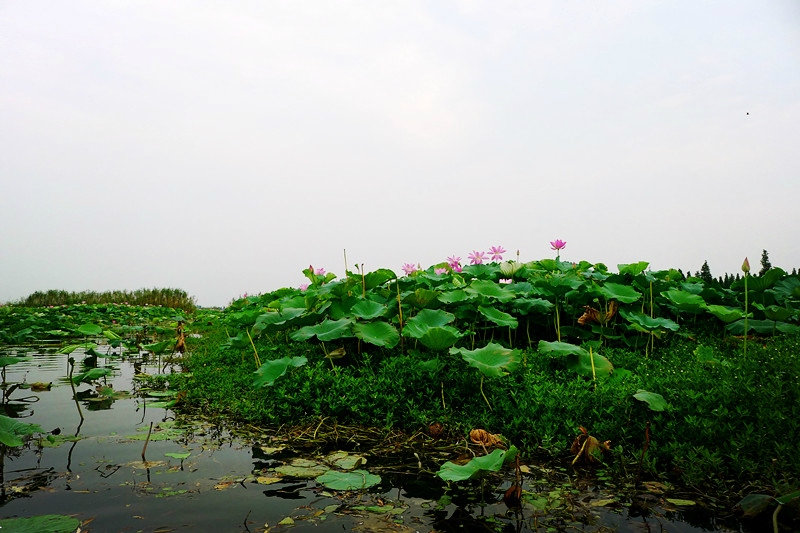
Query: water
x=227 y=482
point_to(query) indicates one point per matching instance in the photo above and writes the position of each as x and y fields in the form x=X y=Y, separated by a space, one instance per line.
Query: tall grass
x=174 y=298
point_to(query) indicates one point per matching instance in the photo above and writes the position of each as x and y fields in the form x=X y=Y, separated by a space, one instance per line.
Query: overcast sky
x=221 y=147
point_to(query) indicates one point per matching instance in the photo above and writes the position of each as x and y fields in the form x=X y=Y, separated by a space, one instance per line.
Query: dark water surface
x=226 y=483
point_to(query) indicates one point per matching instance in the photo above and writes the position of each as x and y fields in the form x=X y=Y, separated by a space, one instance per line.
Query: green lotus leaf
x=378 y=278
x=685 y=301
x=5 y=361
x=377 y=333
x=344 y=460
x=476 y=467
x=489 y=289
x=498 y=317
x=493 y=360
x=276 y=320
x=90 y=375
x=354 y=480
x=786 y=289
x=11 y=430
x=369 y=309
x=754 y=504
x=621 y=293
x=159 y=347
x=421 y=298
x=762 y=327
x=90 y=330
x=582 y=364
x=424 y=320
x=633 y=268
x=68 y=349
x=50 y=523
x=266 y=375
x=537 y=305
x=560 y=348
x=558 y=285
x=645 y=323
x=509 y=268
x=303 y=468
x=654 y=401
x=440 y=337
x=180 y=456
x=327 y=330
x=454 y=296
x=725 y=313
x=777 y=313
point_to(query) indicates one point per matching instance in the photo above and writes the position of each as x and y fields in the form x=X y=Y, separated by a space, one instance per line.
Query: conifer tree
x=705 y=273
x=765 y=264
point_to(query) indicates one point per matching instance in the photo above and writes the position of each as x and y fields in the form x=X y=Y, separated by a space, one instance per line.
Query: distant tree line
x=728 y=279
x=174 y=298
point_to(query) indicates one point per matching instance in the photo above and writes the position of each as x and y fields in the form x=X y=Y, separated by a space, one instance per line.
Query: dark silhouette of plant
x=765 y=264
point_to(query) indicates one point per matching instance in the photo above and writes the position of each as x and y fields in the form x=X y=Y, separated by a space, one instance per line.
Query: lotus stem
x=363 y=282
x=147 y=440
x=745 y=315
x=594 y=375
x=72 y=384
x=443 y=404
x=255 y=352
x=484 y=396
x=345 y=261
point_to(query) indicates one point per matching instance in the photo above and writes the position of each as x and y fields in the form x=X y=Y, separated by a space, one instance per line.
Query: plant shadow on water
x=133 y=466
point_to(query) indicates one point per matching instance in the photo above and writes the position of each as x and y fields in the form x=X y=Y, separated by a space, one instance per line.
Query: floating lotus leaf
x=90 y=330
x=302 y=468
x=440 y=338
x=327 y=330
x=424 y=320
x=377 y=333
x=478 y=466
x=493 y=360
x=654 y=401
x=50 y=523
x=621 y=293
x=180 y=456
x=5 y=361
x=266 y=375
x=11 y=430
x=345 y=461
x=355 y=480
x=498 y=317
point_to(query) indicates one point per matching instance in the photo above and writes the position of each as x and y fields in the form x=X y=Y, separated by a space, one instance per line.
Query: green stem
x=745 y=315
x=484 y=396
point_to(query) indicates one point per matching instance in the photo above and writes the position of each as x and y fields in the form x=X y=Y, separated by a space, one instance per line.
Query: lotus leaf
x=527 y=305
x=90 y=375
x=266 y=375
x=454 y=296
x=498 y=317
x=327 y=330
x=440 y=338
x=582 y=364
x=685 y=301
x=633 y=268
x=68 y=349
x=345 y=461
x=377 y=333
x=621 y=293
x=50 y=523
x=11 y=430
x=355 y=480
x=725 y=313
x=90 y=330
x=493 y=360
x=654 y=401
x=5 y=361
x=368 y=309
x=646 y=323
x=378 y=278
x=302 y=468
x=509 y=268
x=560 y=348
x=424 y=320
x=476 y=467
x=489 y=289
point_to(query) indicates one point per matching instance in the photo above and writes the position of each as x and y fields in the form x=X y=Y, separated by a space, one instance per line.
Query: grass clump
x=174 y=298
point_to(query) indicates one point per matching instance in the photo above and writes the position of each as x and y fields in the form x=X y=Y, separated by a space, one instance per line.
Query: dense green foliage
x=175 y=298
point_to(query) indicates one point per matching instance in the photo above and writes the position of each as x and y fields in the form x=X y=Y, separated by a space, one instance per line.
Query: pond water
x=228 y=482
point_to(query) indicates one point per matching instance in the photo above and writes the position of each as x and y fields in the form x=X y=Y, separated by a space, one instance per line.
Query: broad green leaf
x=527 y=305
x=354 y=480
x=90 y=330
x=777 y=313
x=633 y=268
x=11 y=430
x=560 y=348
x=754 y=504
x=476 y=467
x=377 y=333
x=180 y=456
x=685 y=301
x=498 y=317
x=5 y=361
x=424 y=320
x=763 y=327
x=327 y=330
x=489 y=289
x=277 y=320
x=454 y=296
x=159 y=347
x=90 y=375
x=367 y=309
x=621 y=293
x=110 y=335
x=509 y=268
x=440 y=337
x=725 y=313
x=378 y=278
x=493 y=360
x=72 y=347
x=582 y=364
x=266 y=375
x=303 y=468
x=646 y=323
x=654 y=401
x=50 y=523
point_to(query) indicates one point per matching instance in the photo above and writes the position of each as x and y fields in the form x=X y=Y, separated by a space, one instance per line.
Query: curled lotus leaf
x=377 y=333
x=493 y=360
x=266 y=375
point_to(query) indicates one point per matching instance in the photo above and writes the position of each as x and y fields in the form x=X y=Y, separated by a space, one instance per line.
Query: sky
x=222 y=147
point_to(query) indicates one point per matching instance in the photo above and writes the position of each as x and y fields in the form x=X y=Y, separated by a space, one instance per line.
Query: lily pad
x=303 y=469
x=355 y=480
x=50 y=523
x=477 y=466
x=12 y=430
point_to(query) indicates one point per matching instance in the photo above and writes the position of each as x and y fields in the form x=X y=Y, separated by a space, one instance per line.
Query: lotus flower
x=497 y=252
x=476 y=258
x=504 y=280
x=440 y=271
x=303 y=286
x=453 y=261
x=409 y=268
x=320 y=272
x=746 y=266
x=558 y=244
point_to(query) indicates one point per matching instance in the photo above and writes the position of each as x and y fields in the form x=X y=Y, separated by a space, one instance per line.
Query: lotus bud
x=746 y=266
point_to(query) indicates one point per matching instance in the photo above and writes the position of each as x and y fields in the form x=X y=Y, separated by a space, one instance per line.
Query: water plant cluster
x=165 y=297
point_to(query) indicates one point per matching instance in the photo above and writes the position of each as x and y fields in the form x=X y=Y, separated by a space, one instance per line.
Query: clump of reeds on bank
x=175 y=298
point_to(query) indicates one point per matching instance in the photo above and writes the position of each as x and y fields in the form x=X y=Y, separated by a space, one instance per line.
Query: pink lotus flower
x=320 y=272
x=746 y=266
x=303 y=287
x=440 y=271
x=497 y=252
x=408 y=268
x=504 y=281
x=453 y=261
x=457 y=268
x=476 y=258
x=558 y=244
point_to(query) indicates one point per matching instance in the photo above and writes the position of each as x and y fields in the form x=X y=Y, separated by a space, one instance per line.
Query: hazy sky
x=221 y=147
